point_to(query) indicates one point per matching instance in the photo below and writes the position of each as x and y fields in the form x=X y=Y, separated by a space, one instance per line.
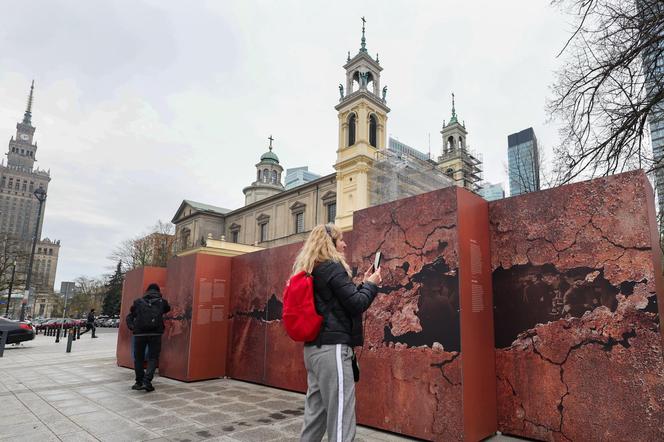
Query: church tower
x=362 y=116
x=268 y=178
x=456 y=160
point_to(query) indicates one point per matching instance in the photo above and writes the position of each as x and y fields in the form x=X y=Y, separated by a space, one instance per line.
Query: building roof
x=199 y=207
x=270 y=157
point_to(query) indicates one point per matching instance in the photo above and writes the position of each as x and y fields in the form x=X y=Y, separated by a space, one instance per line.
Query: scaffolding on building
x=466 y=167
x=399 y=175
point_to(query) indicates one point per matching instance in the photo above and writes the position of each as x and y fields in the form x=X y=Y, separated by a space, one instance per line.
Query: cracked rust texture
x=411 y=357
x=260 y=349
x=580 y=354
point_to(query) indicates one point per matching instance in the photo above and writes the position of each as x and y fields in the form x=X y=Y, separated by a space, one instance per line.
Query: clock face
x=24 y=137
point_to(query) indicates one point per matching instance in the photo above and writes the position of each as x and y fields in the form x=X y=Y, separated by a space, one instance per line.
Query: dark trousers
x=153 y=345
x=90 y=326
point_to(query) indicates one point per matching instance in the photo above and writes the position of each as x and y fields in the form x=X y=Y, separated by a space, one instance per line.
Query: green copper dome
x=270 y=157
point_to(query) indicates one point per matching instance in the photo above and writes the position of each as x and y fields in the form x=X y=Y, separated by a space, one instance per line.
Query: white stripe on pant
x=330 y=401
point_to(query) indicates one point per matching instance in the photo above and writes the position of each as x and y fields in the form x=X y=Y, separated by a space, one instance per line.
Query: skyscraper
x=653 y=66
x=492 y=192
x=523 y=162
x=18 y=180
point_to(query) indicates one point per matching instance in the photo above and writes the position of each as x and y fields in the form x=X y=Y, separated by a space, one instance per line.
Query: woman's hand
x=375 y=277
x=367 y=274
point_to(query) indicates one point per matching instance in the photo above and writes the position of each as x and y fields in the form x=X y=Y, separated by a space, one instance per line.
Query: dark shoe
x=137 y=386
x=95 y=337
x=147 y=386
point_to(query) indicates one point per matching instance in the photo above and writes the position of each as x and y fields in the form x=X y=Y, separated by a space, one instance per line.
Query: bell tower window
x=352 y=123
x=372 y=130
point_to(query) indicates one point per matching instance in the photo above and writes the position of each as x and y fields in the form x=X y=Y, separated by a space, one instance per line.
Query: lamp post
x=11 y=285
x=40 y=194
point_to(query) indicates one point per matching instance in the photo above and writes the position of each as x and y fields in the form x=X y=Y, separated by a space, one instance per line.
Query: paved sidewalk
x=49 y=395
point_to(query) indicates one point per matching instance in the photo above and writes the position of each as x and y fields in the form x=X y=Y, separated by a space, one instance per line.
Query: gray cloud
x=140 y=104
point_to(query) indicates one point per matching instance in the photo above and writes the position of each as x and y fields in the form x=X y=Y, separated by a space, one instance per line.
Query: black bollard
x=70 y=339
x=57 y=335
x=3 y=342
x=78 y=332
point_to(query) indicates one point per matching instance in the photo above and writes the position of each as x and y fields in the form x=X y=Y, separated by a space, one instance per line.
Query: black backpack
x=147 y=317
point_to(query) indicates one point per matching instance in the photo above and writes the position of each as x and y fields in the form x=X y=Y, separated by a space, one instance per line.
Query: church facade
x=273 y=215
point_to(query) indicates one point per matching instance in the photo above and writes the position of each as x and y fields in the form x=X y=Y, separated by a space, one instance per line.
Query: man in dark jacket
x=146 y=320
x=90 y=323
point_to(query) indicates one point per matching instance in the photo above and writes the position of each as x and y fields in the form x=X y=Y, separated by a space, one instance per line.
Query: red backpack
x=300 y=318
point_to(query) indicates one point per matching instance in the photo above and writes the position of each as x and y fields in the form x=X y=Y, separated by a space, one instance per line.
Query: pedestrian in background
x=90 y=323
x=146 y=320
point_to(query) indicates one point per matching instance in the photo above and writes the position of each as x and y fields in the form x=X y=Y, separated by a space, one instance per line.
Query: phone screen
x=377 y=261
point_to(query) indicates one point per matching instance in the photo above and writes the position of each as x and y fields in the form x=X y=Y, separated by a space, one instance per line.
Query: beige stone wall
x=200 y=226
x=279 y=212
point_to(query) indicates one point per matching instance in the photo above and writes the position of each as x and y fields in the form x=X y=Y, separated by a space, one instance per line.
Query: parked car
x=18 y=331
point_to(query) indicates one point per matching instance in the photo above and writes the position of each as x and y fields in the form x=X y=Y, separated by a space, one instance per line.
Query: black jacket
x=341 y=304
x=91 y=318
x=149 y=295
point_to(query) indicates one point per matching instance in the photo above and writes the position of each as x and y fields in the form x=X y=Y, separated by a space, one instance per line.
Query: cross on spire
x=363 y=47
x=271 y=140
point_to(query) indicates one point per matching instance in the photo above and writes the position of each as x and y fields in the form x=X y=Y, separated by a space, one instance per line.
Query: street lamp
x=40 y=194
x=11 y=285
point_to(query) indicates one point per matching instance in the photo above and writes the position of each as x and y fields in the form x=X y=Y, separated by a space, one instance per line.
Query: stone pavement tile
x=33 y=436
x=63 y=426
x=101 y=422
x=141 y=413
x=171 y=403
x=128 y=434
x=163 y=422
x=169 y=432
x=235 y=407
x=193 y=395
x=210 y=402
x=22 y=418
x=278 y=405
x=210 y=419
x=10 y=431
x=259 y=434
x=78 y=410
x=191 y=410
x=150 y=397
x=79 y=436
x=11 y=409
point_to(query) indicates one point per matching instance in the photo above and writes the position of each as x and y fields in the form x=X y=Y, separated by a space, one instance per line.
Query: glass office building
x=523 y=162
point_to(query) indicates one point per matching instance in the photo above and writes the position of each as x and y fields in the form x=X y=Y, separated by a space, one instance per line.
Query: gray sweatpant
x=330 y=401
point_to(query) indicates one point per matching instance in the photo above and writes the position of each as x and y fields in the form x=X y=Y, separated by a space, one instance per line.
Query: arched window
x=450 y=143
x=352 y=122
x=461 y=144
x=259 y=174
x=373 y=127
x=274 y=177
x=266 y=175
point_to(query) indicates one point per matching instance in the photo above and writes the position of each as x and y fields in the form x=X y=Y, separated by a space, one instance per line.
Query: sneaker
x=137 y=386
x=95 y=337
x=147 y=386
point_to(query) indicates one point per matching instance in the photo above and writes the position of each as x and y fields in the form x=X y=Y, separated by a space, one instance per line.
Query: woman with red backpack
x=329 y=358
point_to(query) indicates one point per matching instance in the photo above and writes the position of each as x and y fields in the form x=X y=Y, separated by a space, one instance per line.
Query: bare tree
x=13 y=250
x=153 y=248
x=608 y=87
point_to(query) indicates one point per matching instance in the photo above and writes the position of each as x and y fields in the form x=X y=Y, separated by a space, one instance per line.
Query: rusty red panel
x=575 y=280
x=135 y=283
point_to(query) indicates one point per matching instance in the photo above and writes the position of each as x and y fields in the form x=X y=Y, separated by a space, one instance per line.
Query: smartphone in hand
x=377 y=259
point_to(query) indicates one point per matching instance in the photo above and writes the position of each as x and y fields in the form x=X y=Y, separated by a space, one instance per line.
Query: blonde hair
x=319 y=247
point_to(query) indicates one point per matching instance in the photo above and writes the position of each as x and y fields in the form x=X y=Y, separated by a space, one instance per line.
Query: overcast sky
x=140 y=104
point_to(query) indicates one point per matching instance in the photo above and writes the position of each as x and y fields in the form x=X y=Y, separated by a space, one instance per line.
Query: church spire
x=454 y=115
x=363 y=46
x=27 y=116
